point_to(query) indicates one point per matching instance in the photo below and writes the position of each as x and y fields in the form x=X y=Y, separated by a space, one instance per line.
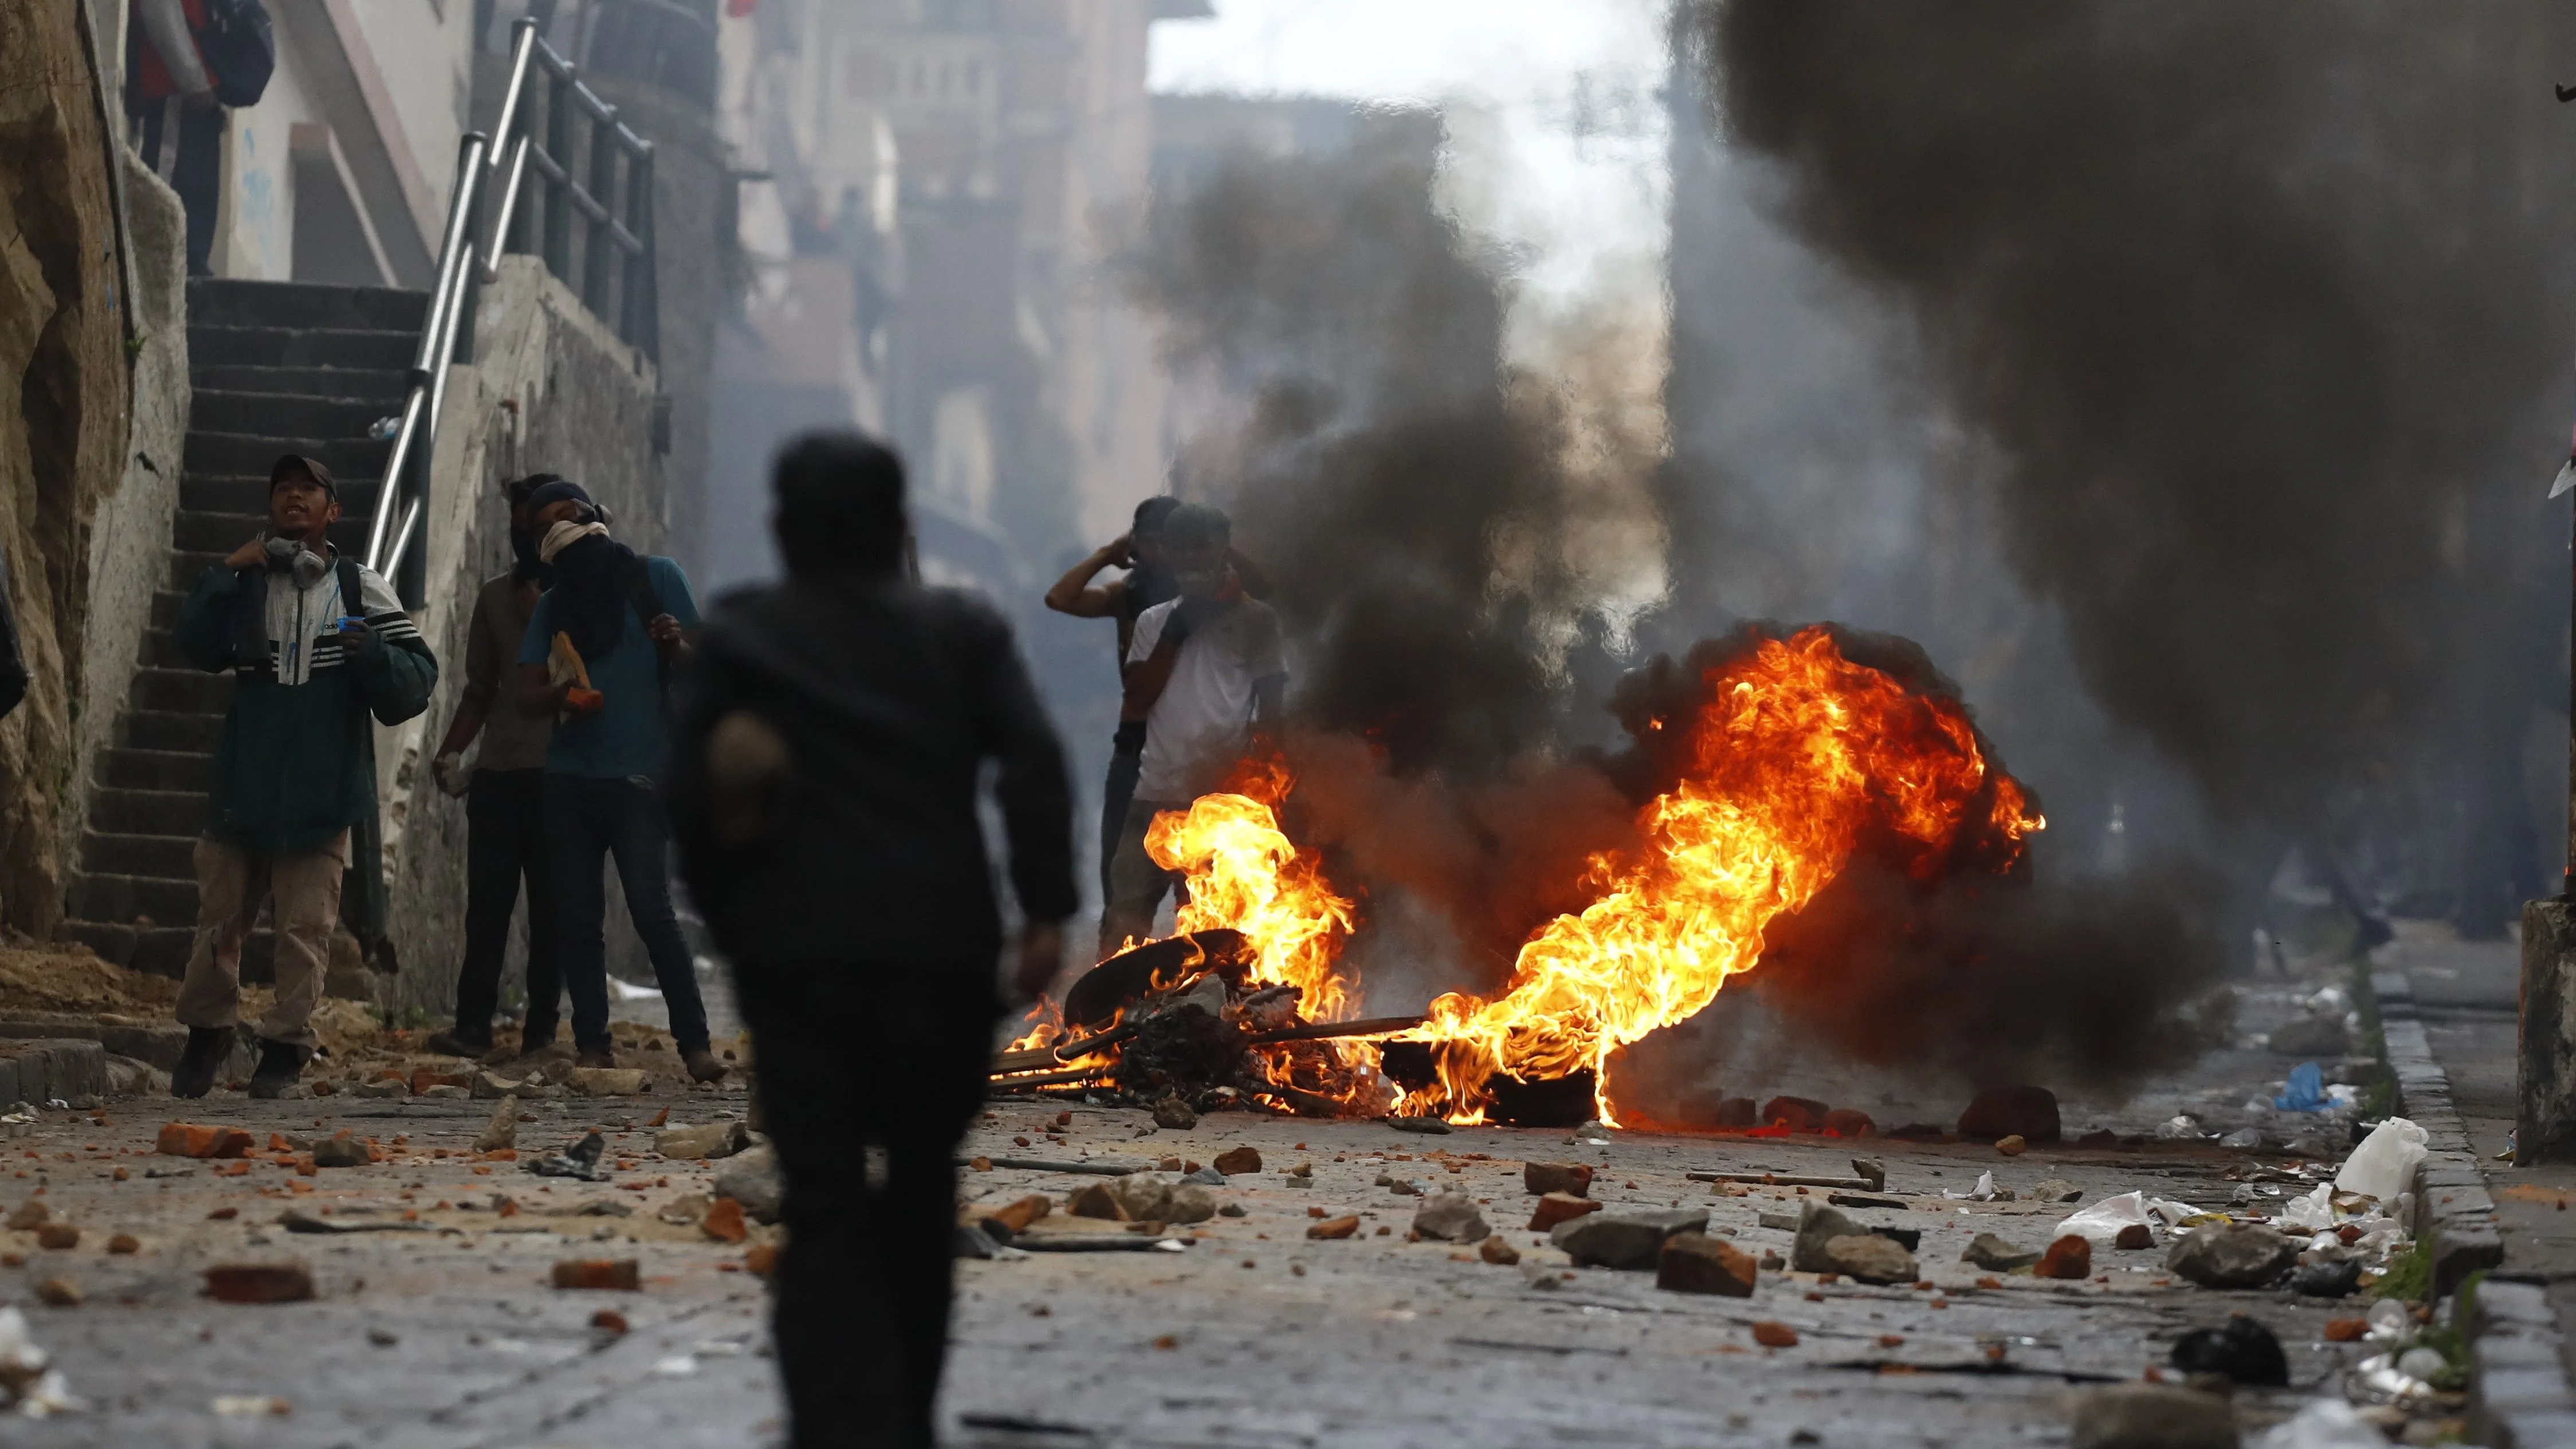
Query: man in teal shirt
x=597 y=656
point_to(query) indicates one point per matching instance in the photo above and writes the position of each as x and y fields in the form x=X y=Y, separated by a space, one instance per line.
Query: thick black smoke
x=1410 y=493
x=2262 y=312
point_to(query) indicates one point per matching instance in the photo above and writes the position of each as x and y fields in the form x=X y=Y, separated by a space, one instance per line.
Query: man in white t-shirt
x=1201 y=668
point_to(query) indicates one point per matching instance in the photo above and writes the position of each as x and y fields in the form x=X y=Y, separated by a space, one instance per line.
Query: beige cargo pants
x=231 y=884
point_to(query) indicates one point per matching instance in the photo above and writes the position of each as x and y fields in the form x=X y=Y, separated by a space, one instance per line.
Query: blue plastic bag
x=2307 y=1090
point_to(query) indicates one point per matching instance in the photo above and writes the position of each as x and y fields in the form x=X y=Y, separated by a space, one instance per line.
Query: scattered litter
x=2314 y=1212
x=252 y=1406
x=2383 y=1166
x=678 y=1365
x=26 y=1383
x=2324 y=1424
x=2243 y=1138
x=581 y=1161
x=2102 y=1222
x=1590 y=1134
x=1984 y=1191
x=2391 y=1324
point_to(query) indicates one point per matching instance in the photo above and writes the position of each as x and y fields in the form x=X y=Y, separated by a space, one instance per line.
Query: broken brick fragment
x=620 y=1275
x=29 y=1216
x=1348 y=1225
x=1574 y=1179
x=259 y=1283
x=610 y=1322
x=1850 y=1122
x=190 y=1139
x=1772 y=1333
x=125 y=1245
x=1095 y=1200
x=1238 y=1161
x=1018 y=1215
x=2069 y=1257
x=1698 y=1263
x=760 y=1259
x=2347 y=1330
x=724 y=1223
x=58 y=1235
x=1558 y=1207
x=60 y=1292
x=1497 y=1252
x=2133 y=1237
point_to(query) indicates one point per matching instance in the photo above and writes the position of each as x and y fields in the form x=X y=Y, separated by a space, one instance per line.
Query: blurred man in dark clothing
x=829 y=737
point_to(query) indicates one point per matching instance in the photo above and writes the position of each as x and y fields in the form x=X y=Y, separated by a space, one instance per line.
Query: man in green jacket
x=316 y=643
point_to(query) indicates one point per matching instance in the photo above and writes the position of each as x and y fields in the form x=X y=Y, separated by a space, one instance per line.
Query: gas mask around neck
x=297 y=558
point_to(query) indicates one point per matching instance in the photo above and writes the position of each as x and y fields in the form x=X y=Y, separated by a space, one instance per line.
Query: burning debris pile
x=1773 y=764
x=1188 y=1018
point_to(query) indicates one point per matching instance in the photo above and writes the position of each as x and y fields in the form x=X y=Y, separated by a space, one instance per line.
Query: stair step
x=285 y=414
x=127 y=768
x=245 y=495
x=375 y=384
x=240 y=453
x=300 y=347
x=163 y=950
x=228 y=302
x=149 y=812
x=182 y=691
x=168 y=857
x=134 y=900
x=165 y=608
x=162 y=729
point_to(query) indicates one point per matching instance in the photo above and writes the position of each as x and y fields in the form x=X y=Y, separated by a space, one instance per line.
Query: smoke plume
x=1436 y=541
x=2258 y=313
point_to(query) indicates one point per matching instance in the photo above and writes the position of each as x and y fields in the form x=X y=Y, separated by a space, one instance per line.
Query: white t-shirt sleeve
x=1149 y=631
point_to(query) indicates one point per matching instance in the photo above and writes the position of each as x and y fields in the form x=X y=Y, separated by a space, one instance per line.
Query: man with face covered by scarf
x=596 y=659
x=505 y=792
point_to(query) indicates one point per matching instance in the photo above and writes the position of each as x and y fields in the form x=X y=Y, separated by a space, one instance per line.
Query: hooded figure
x=830 y=736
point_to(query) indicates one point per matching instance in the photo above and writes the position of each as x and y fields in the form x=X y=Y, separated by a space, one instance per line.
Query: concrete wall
x=129 y=539
x=63 y=409
x=552 y=389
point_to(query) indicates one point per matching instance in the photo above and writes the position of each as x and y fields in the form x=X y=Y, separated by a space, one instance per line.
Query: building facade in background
x=935 y=195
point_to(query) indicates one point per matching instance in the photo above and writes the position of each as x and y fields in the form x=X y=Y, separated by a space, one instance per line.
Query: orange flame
x=1798 y=758
x=1246 y=875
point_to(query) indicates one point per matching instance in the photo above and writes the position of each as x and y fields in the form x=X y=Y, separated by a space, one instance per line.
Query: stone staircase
x=276 y=367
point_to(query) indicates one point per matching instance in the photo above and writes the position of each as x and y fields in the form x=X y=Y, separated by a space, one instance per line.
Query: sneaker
x=280 y=1064
x=703 y=1066
x=457 y=1043
x=208 y=1046
x=598 y=1056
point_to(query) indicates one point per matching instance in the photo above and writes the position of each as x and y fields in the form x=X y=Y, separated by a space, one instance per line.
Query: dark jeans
x=1126 y=760
x=589 y=818
x=196 y=171
x=863 y=1290
x=505 y=841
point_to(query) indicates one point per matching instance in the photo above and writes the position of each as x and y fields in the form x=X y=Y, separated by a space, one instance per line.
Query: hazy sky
x=1524 y=81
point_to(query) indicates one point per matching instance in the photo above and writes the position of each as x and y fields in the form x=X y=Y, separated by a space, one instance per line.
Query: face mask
x=287 y=556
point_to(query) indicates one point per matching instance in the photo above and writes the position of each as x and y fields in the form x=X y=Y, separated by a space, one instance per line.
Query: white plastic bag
x=2101 y=1223
x=2324 y=1424
x=2384 y=1164
x=1984 y=1191
x=2313 y=1213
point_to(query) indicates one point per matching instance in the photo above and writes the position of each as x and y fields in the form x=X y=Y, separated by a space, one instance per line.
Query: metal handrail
x=402 y=498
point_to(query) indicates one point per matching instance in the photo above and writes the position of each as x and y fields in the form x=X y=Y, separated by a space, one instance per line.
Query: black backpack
x=239 y=50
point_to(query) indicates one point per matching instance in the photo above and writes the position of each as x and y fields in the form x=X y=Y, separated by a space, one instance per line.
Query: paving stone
x=1817 y=1226
x=1870 y=1258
